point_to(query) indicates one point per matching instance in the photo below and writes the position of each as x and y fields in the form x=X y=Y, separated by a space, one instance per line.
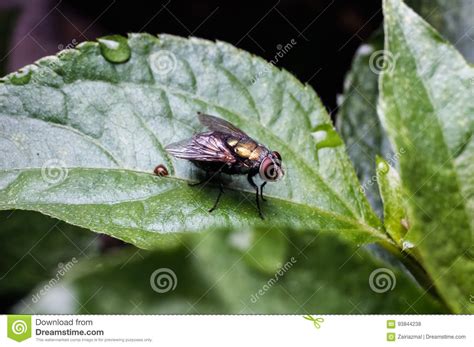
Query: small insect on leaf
x=161 y=170
x=227 y=149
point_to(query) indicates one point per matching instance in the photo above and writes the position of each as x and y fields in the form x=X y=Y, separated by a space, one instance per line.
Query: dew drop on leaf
x=407 y=245
x=115 y=48
x=382 y=167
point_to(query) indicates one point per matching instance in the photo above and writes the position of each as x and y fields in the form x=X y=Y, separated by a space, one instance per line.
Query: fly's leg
x=261 y=191
x=257 y=195
x=210 y=176
x=221 y=190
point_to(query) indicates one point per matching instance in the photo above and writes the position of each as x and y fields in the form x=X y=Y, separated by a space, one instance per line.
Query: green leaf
x=267 y=250
x=453 y=19
x=394 y=206
x=210 y=275
x=357 y=119
x=81 y=136
x=35 y=248
x=427 y=108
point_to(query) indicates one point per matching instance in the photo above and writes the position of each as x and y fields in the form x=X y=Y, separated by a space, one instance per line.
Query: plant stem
x=417 y=271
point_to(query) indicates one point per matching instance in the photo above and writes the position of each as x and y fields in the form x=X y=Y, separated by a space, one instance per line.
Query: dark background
x=326 y=32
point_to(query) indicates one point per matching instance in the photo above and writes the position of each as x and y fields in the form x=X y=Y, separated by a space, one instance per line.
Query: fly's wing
x=218 y=124
x=202 y=147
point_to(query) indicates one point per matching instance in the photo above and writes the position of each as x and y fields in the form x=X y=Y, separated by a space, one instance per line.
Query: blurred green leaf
x=357 y=119
x=267 y=250
x=81 y=136
x=427 y=107
x=320 y=273
x=453 y=19
x=34 y=248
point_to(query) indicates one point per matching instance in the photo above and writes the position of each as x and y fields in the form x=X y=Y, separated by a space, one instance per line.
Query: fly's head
x=271 y=167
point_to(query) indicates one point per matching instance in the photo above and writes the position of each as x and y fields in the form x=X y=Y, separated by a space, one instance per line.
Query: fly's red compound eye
x=269 y=171
x=277 y=155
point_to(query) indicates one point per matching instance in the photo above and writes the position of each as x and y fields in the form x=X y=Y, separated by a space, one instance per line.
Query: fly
x=227 y=149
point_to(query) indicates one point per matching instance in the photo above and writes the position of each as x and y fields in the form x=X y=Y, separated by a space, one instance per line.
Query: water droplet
x=115 y=48
x=407 y=245
x=20 y=77
x=330 y=139
x=382 y=167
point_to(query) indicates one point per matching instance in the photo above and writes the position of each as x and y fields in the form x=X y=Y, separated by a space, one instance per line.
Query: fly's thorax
x=246 y=148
